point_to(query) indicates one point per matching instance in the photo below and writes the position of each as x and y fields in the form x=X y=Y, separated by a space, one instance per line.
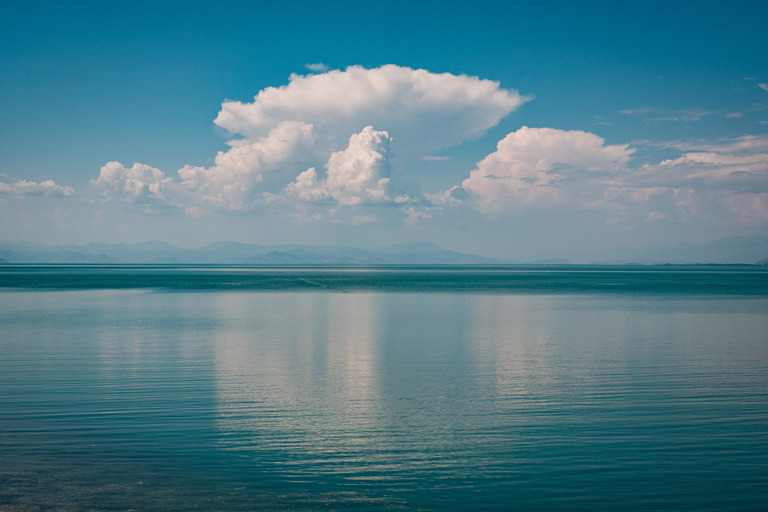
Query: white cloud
x=636 y=111
x=360 y=174
x=306 y=124
x=763 y=86
x=748 y=144
x=318 y=67
x=684 y=115
x=655 y=216
x=709 y=170
x=448 y=197
x=24 y=188
x=414 y=214
x=723 y=181
x=232 y=183
x=422 y=111
x=138 y=184
x=535 y=164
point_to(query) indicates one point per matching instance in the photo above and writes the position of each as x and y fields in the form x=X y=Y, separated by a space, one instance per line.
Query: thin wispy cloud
x=636 y=111
x=318 y=67
x=652 y=115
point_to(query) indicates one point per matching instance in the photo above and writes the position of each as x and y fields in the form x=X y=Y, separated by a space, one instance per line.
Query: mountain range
x=733 y=250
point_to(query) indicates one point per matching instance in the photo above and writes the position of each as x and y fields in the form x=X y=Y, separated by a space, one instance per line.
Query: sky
x=505 y=129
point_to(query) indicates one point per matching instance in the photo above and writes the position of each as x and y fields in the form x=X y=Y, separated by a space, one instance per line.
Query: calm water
x=634 y=388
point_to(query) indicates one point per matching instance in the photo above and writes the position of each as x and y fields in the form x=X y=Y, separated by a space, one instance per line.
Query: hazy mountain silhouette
x=733 y=250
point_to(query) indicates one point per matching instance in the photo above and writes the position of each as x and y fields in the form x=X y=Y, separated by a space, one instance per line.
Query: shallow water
x=376 y=393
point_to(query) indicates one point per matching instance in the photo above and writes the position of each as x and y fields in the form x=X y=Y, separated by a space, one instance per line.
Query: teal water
x=508 y=388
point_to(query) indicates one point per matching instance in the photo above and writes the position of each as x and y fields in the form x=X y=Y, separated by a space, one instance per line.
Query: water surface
x=379 y=394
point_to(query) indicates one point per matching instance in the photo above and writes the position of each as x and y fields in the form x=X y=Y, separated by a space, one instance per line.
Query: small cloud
x=655 y=216
x=763 y=86
x=733 y=115
x=24 y=188
x=318 y=67
x=603 y=123
x=435 y=158
x=660 y=77
x=636 y=111
x=763 y=122
x=749 y=78
x=413 y=215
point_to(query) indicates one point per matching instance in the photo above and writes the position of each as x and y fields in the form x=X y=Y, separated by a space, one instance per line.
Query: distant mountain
x=234 y=253
x=734 y=250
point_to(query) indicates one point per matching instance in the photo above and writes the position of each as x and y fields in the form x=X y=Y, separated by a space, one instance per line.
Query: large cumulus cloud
x=422 y=111
x=536 y=164
x=725 y=180
x=359 y=174
x=137 y=184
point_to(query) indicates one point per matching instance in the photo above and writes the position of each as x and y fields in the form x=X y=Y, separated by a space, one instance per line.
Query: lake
x=383 y=388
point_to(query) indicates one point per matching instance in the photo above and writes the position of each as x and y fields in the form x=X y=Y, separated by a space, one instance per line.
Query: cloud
x=724 y=181
x=233 y=182
x=706 y=171
x=655 y=216
x=537 y=164
x=636 y=111
x=138 y=184
x=414 y=214
x=747 y=144
x=763 y=86
x=287 y=133
x=357 y=175
x=422 y=111
x=543 y=168
x=318 y=67
x=24 y=188
x=683 y=115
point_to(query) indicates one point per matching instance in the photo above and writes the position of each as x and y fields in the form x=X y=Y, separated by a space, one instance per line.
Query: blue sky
x=646 y=123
